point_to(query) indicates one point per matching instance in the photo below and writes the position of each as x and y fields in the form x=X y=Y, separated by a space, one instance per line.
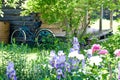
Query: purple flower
x=52 y=58
x=72 y=50
x=76 y=44
x=75 y=40
x=59 y=74
x=57 y=61
x=60 y=61
x=61 y=57
x=67 y=67
x=83 y=63
x=11 y=73
x=74 y=63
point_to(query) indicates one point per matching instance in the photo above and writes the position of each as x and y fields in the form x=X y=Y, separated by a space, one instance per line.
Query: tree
x=70 y=13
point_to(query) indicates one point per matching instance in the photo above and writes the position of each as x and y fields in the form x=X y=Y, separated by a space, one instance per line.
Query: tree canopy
x=70 y=13
x=58 y=10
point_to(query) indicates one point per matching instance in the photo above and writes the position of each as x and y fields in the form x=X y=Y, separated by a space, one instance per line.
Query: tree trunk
x=86 y=23
x=111 y=19
x=101 y=16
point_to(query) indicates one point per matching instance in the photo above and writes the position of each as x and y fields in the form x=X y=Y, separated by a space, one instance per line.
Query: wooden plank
x=21 y=23
x=10 y=18
x=60 y=34
x=101 y=34
x=11 y=11
x=18 y=18
x=102 y=40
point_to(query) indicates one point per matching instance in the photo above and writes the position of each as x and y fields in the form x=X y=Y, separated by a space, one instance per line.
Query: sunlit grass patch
x=31 y=56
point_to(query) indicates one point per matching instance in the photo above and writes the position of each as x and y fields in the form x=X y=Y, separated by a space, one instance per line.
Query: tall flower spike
x=76 y=44
x=11 y=73
x=52 y=58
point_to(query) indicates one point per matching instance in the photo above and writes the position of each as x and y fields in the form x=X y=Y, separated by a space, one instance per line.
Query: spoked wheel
x=18 y=37
x=45 y=36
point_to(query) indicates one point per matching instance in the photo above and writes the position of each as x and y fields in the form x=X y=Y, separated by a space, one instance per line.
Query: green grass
x=27 y=60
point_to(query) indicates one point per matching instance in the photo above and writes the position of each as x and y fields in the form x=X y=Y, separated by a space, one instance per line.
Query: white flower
x=52 y=53
x=73 y=54
x=61 y=53
x=89 y=51
x=59 y=71
x=95 y=60
x=76 y=54
x=80 y=56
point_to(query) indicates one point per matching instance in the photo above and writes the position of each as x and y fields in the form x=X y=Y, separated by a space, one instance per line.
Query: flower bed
x=95 y=63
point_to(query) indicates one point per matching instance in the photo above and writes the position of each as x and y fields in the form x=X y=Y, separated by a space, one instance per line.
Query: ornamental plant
x=95 y=64
x=63 y=64
x=10 y=72
x=75 y=65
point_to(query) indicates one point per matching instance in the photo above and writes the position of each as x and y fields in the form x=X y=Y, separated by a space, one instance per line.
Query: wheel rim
x=45 y=37
x=18 y=37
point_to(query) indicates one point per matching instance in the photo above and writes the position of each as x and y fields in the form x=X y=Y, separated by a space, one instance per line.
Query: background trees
x=72 y=14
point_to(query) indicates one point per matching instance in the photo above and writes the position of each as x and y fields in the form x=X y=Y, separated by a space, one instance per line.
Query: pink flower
x=103 y=51
x=117 y=52
x=96 y=47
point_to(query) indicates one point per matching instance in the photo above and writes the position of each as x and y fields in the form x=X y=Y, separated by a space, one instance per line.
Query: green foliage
x=112 y=43
x=26 y=63
x=11 y=3
x=69 y=13
x=57 y=11
x=118 y=28
x=55 y=44
x=33 y=63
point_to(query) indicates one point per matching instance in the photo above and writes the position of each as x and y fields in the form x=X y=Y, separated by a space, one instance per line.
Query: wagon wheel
x=18 y=36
